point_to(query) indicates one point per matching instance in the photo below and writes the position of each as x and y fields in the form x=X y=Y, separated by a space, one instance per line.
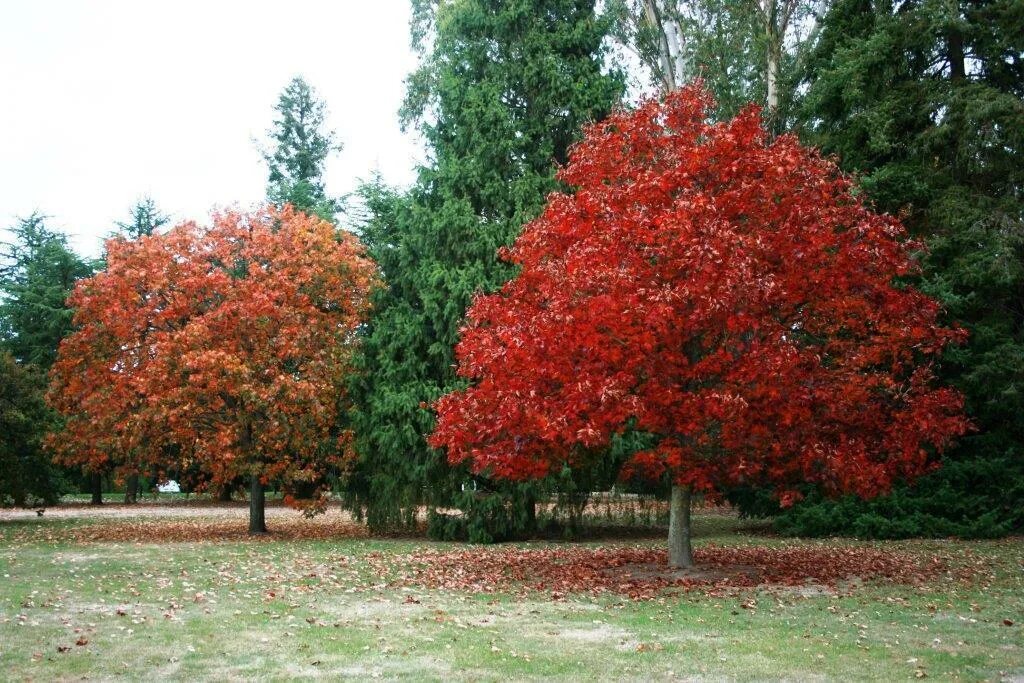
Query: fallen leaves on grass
x=642 y=573
x=209 y=529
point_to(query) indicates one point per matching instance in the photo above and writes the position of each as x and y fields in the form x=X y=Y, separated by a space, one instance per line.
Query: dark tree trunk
x=131 y=489
x=680 y=553
x=225 y=492
x=955 y=54
x=530 y=503
x=96 y=483
x=257 y=507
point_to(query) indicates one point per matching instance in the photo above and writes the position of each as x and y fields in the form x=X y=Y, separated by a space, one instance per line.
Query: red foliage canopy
x=728 y=294
x=223 y=347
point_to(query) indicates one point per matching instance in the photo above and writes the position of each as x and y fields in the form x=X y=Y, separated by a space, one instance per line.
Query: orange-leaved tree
x=728 y=296
x=225 y=348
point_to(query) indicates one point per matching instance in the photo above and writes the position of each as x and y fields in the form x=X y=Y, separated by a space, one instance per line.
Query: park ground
x=177 y=590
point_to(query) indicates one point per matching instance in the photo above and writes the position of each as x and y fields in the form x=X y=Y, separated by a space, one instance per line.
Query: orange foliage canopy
x=225 y=348
x=729 y=295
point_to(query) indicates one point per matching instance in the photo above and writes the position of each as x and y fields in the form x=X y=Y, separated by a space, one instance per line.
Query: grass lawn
x=143 y=594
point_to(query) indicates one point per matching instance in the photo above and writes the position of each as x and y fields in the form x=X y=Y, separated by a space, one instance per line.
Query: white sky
x=104 y=102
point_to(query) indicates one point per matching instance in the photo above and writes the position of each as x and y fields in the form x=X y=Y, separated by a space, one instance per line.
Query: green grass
x=286 y=609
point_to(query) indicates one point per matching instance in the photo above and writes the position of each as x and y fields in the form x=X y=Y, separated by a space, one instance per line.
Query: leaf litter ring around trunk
x=643 y=573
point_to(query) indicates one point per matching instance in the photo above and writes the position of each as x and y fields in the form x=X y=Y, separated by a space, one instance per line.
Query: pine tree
x=502 y=91
x=27 y=476
x=145 y=219
x=37 y=273
x=301 y=146
x=923 y=100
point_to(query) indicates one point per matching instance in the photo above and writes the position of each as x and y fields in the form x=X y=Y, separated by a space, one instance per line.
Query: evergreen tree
x=37 y=273
x=145 y=219
x=301 y=146
x=502 y=91
x=922 y=100
x=27 y=476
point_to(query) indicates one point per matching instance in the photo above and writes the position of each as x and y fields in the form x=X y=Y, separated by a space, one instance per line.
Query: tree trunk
x=131 y=489
x=225 y=492
x=530 y=505
x=652 y=14
x=257 y=507
x=96 y=483
x=775 y=16
x=18 y=494
x=774 y=59
x=680 y=554
x=955 y=54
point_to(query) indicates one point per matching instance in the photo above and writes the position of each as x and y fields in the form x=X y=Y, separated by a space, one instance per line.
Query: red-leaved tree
x=223 y=348
x=731 y=297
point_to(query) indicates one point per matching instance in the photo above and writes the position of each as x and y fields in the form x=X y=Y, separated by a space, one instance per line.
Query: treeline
x=921 y=101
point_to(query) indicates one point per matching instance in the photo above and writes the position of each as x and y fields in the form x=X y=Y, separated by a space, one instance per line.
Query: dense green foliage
x=26 y=474
x=923 y=101
x=301 y=146
x=36 y=276
x=145 y=219
x=725 y=43
x=727 y=52
x=502 y=91
x=37 y=273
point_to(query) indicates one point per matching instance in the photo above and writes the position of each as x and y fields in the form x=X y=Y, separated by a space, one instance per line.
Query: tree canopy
x=26 y=473
x=37 y=274
x=301 y=146
x=923 y=102
x=226 y=346
x=730 y=296
x=502 y=90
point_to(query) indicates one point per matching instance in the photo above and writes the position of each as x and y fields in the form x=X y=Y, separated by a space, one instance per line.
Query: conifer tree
x=145 y=219
x=27 y=476
x=37 y=273
x=301 y=146
x=501 y=93
x=923 y=101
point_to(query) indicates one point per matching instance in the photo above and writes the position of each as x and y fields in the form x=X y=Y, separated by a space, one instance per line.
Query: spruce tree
x=37 y=272
x=27 y=475
x=502 y=91
x=923 y=101
x=300 y=147
x=145 y=219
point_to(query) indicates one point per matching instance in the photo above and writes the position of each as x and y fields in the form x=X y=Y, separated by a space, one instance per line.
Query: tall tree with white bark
x=743 y=50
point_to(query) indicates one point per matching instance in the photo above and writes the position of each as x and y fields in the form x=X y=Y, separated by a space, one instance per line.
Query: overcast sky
x=104 y=102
